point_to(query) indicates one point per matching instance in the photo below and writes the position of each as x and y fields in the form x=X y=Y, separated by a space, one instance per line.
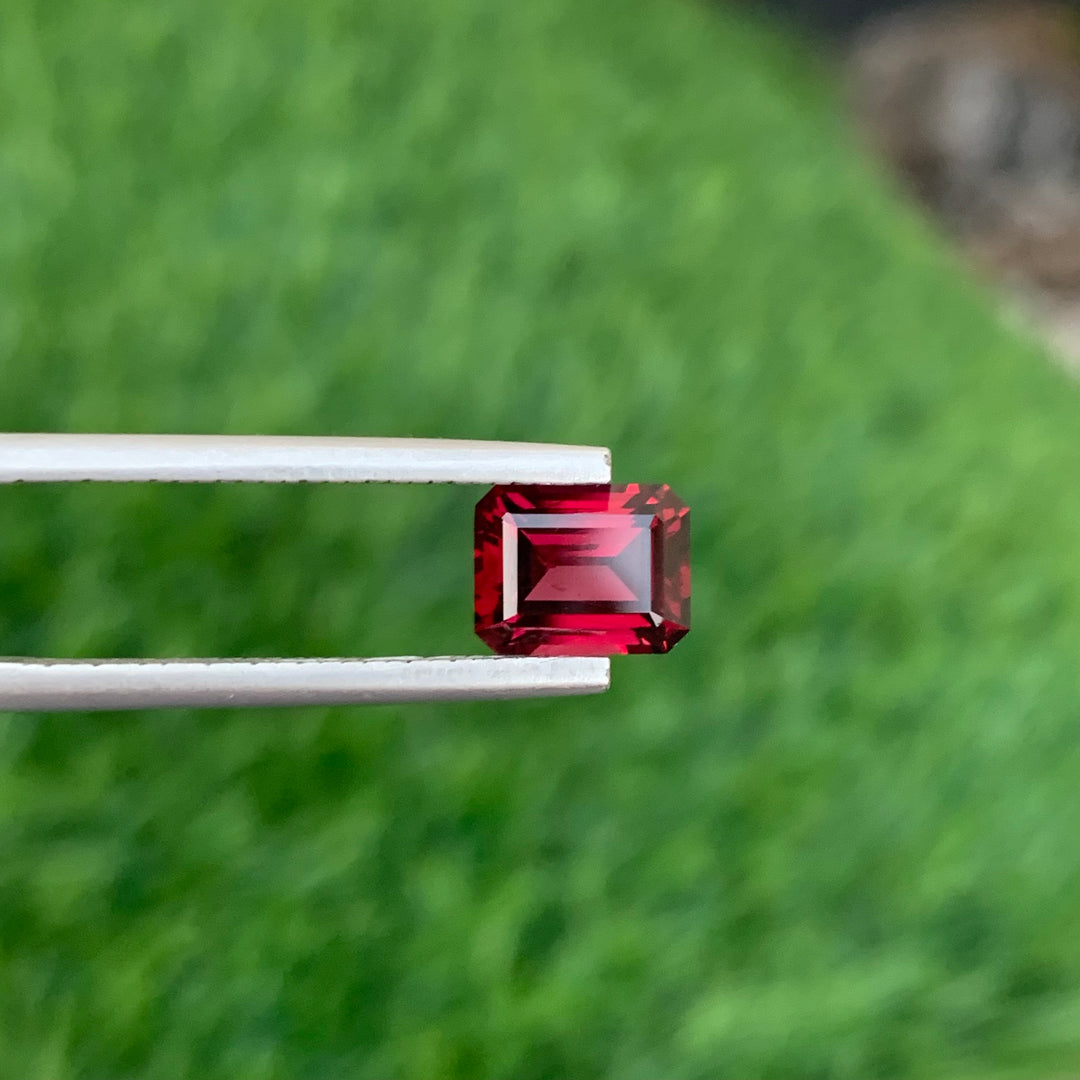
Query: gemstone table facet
x=584 y=570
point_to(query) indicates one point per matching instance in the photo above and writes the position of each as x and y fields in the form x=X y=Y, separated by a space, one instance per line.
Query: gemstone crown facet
x=583 y=570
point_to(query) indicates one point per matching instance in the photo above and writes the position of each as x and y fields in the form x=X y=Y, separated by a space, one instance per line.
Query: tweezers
x=61 y=684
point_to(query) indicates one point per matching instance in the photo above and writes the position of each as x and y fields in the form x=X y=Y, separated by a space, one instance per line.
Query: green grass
x=834 y=836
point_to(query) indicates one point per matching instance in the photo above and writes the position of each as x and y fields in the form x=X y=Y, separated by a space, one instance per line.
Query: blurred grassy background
x=834 y=835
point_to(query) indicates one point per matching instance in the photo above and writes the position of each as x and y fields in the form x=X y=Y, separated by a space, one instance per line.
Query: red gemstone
x=587 y=570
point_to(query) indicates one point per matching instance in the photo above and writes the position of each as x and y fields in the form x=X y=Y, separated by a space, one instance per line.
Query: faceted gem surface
x=587 y=570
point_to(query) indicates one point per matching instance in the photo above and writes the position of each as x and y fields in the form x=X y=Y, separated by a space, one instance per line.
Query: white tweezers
x=33 y=684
